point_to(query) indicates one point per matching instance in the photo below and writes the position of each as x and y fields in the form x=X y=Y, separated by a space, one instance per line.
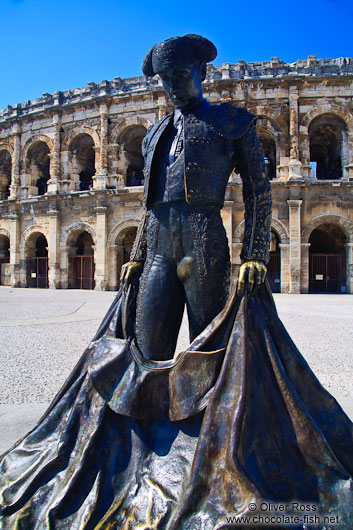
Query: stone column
x=295 y=246
x=348 y=167
x=228 y=225
x=294 y=162
x=15 y=233
x=53 y=250
x=235 y=252
x=162 y=109
x=113 y=267
x=285 y=267
x=305 y=268
x=100 y=249
x=349 y=267
x=16 y=171
x=100 y=178
x=67 y=183
x=64 y=267
x=55 y=157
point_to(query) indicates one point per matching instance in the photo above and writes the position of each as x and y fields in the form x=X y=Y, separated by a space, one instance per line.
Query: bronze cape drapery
x=238 y=418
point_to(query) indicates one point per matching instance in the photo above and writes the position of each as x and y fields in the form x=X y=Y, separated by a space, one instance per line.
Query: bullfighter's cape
x=236 y=422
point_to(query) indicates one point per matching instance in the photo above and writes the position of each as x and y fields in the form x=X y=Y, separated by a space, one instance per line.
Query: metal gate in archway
x=82 y=272
x=327 y=273
x=274 y=272
x=37 y=272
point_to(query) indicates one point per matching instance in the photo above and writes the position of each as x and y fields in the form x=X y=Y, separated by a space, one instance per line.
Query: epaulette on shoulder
x=228 y=121
x=151 y=131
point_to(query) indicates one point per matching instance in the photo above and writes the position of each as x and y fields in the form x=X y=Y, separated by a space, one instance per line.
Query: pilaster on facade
x=15 y=234
x=100 y=178
x=53 y=248
x=349 y=267
x=91 y=140
x=305 y=267
x=227 y=218
x=285 y=271
x=295 y=245
x=101 y=248
x=55 y=162
x=15 y=176
x=294 y=164
x=115 y=262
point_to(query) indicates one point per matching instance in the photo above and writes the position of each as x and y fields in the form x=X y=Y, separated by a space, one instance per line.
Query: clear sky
x=49 y=45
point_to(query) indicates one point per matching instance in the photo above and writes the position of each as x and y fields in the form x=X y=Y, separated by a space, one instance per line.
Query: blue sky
x=49 y=45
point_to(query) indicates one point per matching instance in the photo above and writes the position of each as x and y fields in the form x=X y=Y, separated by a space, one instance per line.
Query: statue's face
x=183 y=85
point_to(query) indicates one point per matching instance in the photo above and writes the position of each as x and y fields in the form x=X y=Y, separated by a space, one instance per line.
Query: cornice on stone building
x=266 y=70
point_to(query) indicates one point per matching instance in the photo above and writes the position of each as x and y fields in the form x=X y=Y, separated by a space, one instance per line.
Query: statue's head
x=181 y=64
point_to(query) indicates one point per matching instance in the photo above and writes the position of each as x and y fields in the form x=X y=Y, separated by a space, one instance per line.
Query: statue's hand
x=129 y=270
x=251 y=273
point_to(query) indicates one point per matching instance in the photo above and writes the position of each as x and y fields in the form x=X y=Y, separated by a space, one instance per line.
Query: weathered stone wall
x=70 y=163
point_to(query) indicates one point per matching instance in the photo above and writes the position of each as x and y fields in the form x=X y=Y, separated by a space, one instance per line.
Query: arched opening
x=269 y=148
x=81 y=261
x=5 y=174
x=38 y=164
x=37 y=261
x=124 y=245
x=131 y=140
x=328 y=146
x=83 y=161
x=4 y=259
x=327 y=265
x=274 y=264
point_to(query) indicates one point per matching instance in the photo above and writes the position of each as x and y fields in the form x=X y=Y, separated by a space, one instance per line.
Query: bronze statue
x=234 y=432
x=189 y=156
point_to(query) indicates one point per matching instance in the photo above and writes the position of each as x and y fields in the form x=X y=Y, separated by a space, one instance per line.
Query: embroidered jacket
x=217 y=139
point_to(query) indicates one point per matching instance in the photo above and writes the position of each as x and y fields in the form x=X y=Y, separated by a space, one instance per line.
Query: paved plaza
x=44 y=332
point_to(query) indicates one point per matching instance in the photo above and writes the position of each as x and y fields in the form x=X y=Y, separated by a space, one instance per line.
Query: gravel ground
x=43 y=333
x=42 y=338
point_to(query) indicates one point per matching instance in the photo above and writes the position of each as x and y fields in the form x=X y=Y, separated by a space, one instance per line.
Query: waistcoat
x=208 y=155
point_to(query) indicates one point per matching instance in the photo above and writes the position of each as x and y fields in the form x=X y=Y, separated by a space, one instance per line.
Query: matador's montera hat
x=178 y=51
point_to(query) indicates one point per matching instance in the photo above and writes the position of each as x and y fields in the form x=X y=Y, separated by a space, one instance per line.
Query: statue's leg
x=160 y=306
x=207 y=284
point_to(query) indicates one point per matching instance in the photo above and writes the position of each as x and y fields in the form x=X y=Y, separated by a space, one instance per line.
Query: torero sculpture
x=137 y=439
x=181 y=242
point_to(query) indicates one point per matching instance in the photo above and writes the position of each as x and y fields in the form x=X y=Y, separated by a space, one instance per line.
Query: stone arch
x=29 y=232
x=74 y=228
x=77 y=131
x=127 y=136
x=29 y=263
x=271 y=128
x=345 y=224
x=6 y=164
x=37 y=138
x=119 y=248
x=127 y=123
x=82 y=157
x=276 y=225
x=328 y=238
x=280 y=230
x=5 y=233
x=5 y=145
x=5 y=253
x=119 y=228
x=275 y=121
x=37 y=153
x=326 y=107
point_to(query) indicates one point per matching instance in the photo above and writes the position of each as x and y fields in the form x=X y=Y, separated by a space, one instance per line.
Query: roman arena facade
x=71 y=192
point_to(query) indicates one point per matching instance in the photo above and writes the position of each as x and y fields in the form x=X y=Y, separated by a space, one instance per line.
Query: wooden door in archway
x=274 y=272
x=327 y=273
x=37 y=272
x=82 y=269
